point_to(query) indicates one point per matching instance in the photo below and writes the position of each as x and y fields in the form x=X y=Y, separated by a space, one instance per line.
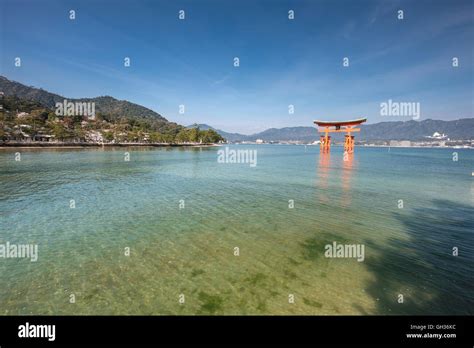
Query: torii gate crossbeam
x=347 y=127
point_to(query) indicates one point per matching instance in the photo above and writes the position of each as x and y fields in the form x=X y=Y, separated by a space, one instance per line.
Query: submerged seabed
x=190 y=250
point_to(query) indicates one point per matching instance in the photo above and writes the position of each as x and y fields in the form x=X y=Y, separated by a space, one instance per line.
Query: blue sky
x=282 y=61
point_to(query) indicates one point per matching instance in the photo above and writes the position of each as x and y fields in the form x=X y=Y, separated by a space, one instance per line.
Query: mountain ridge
x=103 y=104
x=461 y=129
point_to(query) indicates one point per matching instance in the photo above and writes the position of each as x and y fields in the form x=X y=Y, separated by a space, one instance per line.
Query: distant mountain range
x=462 y=129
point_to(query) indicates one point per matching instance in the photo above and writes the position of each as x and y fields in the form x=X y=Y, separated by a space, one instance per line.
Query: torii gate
x=347 y=126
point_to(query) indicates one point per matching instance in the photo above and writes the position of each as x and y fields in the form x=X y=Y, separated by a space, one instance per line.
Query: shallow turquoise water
x=190 y=250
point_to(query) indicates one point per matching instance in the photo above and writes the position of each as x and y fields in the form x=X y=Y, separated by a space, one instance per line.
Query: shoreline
x=97 y=145
x=38 y=145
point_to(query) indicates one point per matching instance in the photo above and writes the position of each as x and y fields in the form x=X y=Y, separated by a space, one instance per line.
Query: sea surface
x=173 y=231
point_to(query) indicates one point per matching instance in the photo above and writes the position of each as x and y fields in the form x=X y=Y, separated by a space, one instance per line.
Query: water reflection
x=325 y=171
x=347 y=169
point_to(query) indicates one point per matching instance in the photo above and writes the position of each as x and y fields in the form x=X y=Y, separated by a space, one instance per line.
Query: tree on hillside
x=193 y=134
x=182 y=136
x=60 y=132
x=210 y=136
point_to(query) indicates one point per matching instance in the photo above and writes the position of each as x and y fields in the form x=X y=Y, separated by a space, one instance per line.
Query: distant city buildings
x=442 y=142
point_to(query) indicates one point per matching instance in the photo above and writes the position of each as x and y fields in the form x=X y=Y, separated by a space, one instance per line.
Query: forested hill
x=104 y=104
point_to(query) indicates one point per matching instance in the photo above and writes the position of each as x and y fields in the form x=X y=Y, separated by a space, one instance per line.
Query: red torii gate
x=339 y=126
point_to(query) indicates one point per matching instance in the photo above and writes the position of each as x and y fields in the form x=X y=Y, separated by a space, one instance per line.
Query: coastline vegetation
x=27 y=121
